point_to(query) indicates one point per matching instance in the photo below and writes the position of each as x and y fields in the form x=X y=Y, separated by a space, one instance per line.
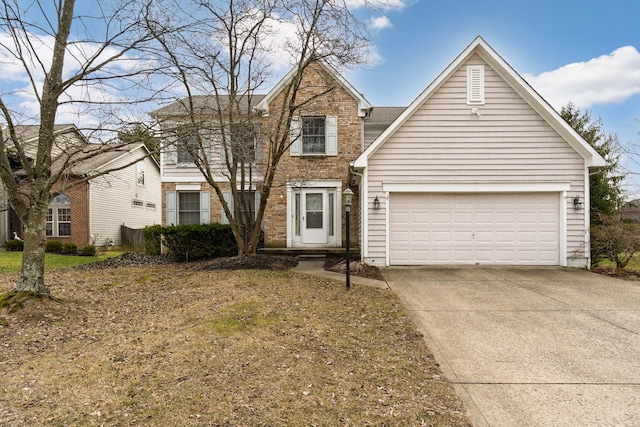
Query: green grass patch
x=10 y=262
x=634 y=264
x=242 y=317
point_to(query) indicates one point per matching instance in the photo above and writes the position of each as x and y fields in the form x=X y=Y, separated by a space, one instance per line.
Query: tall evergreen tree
x=604 y=184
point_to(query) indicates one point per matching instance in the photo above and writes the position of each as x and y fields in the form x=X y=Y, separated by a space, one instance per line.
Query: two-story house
x=91 y=211
x=478 y=169
x=305 y=206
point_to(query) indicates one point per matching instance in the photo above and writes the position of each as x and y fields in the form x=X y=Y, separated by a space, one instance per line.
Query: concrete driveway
x=531 y=346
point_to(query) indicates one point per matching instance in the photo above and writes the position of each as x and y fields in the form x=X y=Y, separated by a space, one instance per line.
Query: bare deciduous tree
x=221 y=63
x=70 y=61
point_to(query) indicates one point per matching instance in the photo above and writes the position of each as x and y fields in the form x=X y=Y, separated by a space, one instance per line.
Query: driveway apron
x=531 y=346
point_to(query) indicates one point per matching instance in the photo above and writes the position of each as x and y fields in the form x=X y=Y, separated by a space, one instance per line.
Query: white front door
x=314 y=216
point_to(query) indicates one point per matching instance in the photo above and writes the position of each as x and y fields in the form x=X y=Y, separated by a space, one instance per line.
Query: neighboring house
x=479 y=169
x=92 y=211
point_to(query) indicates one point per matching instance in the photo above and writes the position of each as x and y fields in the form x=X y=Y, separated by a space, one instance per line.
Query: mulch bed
x=357 y=268
x=256 y=262
x=631 y=275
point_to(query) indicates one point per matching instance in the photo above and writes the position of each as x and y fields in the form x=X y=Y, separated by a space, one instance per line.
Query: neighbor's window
x=59 y=216
x=313 y=135
x=140 y=173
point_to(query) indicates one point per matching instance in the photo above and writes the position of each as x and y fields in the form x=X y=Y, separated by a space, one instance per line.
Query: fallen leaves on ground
x=175 y=344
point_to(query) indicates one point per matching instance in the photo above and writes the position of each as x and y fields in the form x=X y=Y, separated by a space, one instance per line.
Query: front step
x=355 y=252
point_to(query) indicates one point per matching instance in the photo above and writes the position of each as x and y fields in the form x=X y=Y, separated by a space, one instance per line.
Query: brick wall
x=338 y=102
x=79 y=216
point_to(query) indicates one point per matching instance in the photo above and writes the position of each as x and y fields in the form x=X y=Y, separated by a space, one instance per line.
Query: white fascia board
x=541 y=106
x=361 y=161
x=188 y=187
x=363 y=105
x=316 y=183
x=183 y=179
x=130 y=152
x=476 y=187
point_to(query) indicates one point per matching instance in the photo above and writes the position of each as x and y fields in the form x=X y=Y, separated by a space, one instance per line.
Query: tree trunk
x=31 y=278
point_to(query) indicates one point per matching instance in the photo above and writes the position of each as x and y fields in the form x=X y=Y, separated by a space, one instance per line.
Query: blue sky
x=416 y=41
x=581 y=51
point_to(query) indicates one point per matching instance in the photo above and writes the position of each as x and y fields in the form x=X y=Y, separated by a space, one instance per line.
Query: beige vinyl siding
x=443 y=142
x=189 y=172
x=111 y=196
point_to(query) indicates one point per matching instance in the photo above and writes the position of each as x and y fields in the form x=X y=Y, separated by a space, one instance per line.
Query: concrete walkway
x=315 y=267
x=531 y=346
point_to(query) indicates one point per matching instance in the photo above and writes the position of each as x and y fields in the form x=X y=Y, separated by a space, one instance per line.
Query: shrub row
x=191 y=242
x=55 y=247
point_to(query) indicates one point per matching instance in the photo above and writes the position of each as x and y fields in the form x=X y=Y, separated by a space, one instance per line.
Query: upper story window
x=244 y=143
x=314 y=135
x=140 y=173
x=475 y=84
x=59 y=216
x=187 y=144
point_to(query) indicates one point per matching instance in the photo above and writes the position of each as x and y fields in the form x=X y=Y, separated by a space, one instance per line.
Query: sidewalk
x=315 y=268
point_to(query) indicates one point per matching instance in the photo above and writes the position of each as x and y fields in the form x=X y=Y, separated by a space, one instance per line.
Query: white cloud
x=380 y=23
x=608 y=79
x=377 y=4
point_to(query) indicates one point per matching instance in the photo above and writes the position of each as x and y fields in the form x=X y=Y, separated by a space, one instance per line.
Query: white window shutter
x=257 y=205
x=296 y=136
x=475 y=84
x=205 y=210
x=331 y=135
x=171 y=207
x=259 y=147
x=228 y=197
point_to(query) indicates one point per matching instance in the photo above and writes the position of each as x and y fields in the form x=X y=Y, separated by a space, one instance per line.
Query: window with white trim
x=59 y=217
x=187 y=144
x=140 y=172
x=314 y=136
x=188 y=207
x=137 y=203
x=475 y=84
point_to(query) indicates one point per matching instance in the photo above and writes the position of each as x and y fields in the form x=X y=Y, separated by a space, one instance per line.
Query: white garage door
x=485 y=229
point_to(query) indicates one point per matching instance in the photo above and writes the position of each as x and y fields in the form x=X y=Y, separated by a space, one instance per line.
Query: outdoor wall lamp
x=577 y=204
x=376 y=203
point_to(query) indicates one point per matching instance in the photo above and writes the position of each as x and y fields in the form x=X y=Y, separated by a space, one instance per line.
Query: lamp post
x=347 y=195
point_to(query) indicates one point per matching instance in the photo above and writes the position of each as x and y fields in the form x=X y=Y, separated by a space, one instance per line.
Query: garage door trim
x=477 y=187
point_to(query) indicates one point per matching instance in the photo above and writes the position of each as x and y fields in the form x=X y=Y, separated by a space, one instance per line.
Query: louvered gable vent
x=475 y=84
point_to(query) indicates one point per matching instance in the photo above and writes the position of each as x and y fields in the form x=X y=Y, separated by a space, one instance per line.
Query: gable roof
x=88 y=157
x=505 y=71
x=363 y=105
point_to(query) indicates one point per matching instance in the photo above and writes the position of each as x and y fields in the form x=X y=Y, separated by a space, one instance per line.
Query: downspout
x=362 y=193
x=89 y=212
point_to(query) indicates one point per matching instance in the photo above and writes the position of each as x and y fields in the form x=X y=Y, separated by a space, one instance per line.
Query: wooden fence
x=132 y=239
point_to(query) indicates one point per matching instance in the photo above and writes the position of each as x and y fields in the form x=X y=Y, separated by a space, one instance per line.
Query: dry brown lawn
x=178 y=345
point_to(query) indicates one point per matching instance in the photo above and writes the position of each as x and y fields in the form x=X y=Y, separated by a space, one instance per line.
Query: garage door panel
x=474 y=229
